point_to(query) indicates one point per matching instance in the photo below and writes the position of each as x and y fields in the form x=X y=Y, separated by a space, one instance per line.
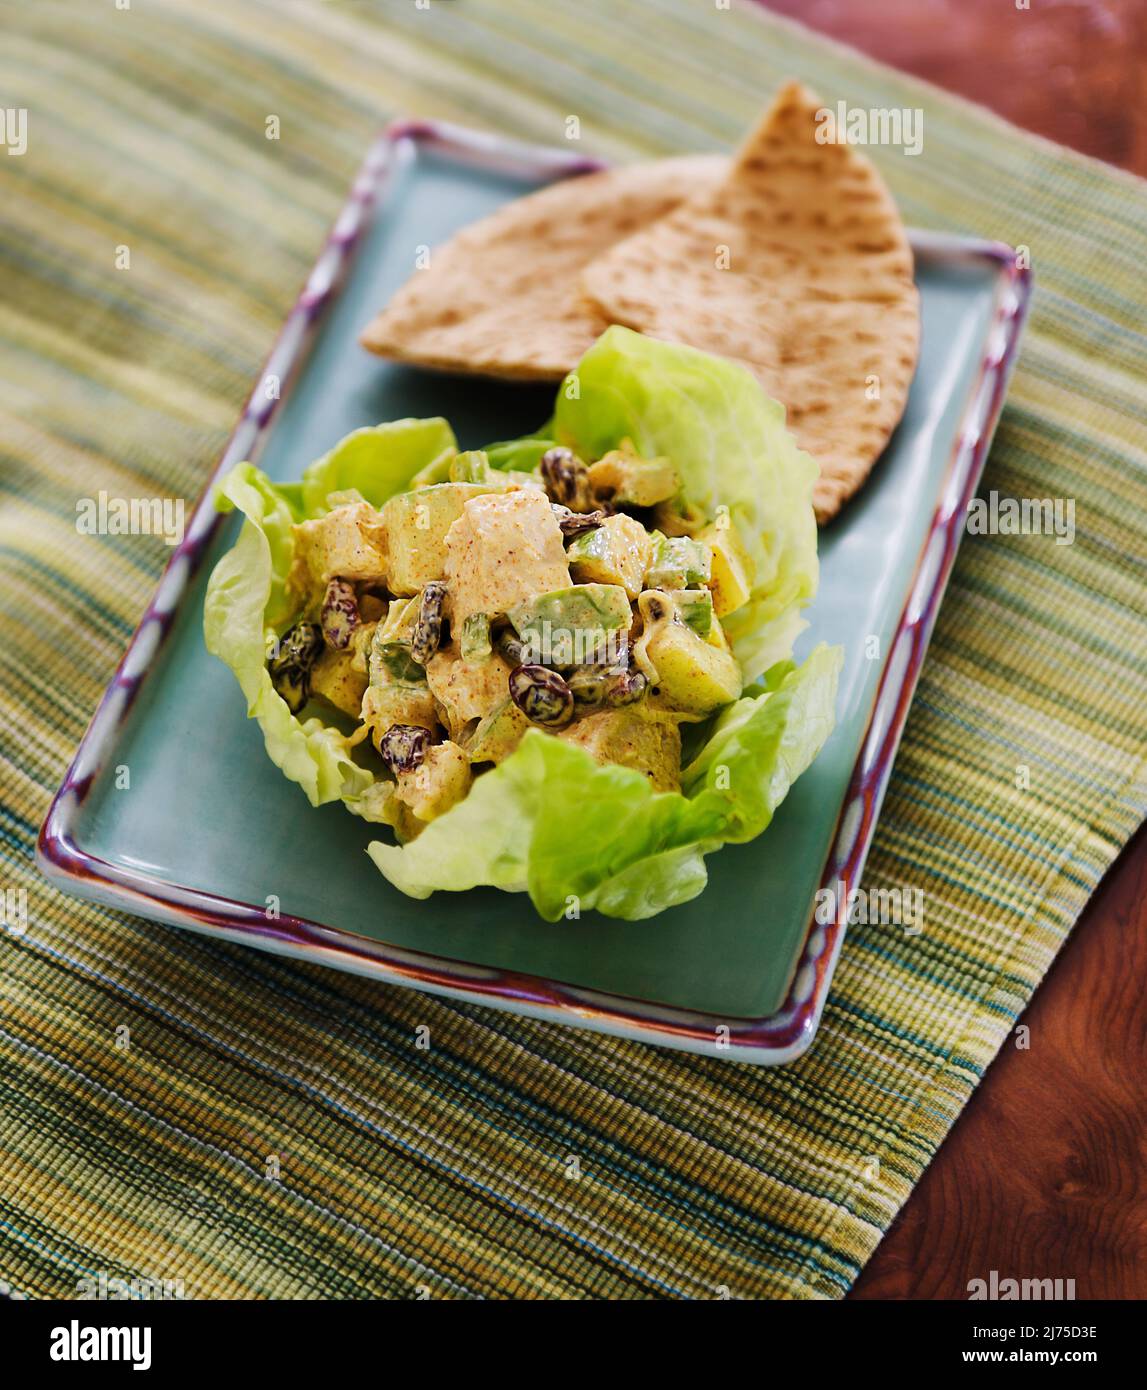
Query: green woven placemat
x=453 y=1168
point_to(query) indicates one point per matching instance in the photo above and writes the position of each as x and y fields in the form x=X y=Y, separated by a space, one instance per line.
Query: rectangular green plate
x=209 y=833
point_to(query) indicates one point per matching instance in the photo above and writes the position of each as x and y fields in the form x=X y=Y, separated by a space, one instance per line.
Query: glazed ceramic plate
x=209 y=831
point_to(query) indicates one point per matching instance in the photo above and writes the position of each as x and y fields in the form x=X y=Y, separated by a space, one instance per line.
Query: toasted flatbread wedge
x=503 y=297
x=798 y=265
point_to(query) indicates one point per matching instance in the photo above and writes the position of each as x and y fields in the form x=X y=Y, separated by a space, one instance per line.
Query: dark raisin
x=588 y=684
x=609 y=686
x=340 y=614
x=427 y=631
x=566 y=479
x=404 y=746
x=577 y=523
x=541 y=695
x=290 y=666
x=511 y=647
x=624 y=687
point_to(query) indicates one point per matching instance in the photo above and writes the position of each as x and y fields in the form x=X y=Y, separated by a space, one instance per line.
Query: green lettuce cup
x=549 y=820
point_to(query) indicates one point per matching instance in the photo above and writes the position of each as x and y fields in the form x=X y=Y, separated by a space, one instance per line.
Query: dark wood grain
x=1045 y=1173
x=1074 y=71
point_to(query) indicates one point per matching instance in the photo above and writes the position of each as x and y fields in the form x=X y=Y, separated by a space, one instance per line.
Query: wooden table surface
x=1045 y=1173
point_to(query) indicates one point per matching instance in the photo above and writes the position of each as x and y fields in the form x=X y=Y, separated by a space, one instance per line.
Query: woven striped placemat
x=273 y=1129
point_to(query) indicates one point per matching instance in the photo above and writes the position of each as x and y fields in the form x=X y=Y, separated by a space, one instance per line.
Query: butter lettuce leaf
x=729 y=444
x=378 y=461
x=248 y=606
x=636 y=851
x=521 y=455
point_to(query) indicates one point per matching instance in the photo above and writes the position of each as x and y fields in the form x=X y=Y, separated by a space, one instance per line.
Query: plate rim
x=770 y=1040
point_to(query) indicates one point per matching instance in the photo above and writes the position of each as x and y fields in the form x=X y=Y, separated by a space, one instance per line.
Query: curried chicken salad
x=560 y=664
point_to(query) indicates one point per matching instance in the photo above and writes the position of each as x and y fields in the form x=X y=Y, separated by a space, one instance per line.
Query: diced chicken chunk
x=347 y=543
x=383 y=706
x=335 y=679
x=504 y=548
x=624 y=736
x=466 y=690
x=440 y=781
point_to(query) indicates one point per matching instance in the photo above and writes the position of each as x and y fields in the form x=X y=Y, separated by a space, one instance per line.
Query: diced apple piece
x=695 y=609
x=693 y=675
x=416 y=525
x=439 y=782
x=498 y=734
x=335 y=679
x=730 y=576
x=623 y=477
x=617 y=552
x=678 y=562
